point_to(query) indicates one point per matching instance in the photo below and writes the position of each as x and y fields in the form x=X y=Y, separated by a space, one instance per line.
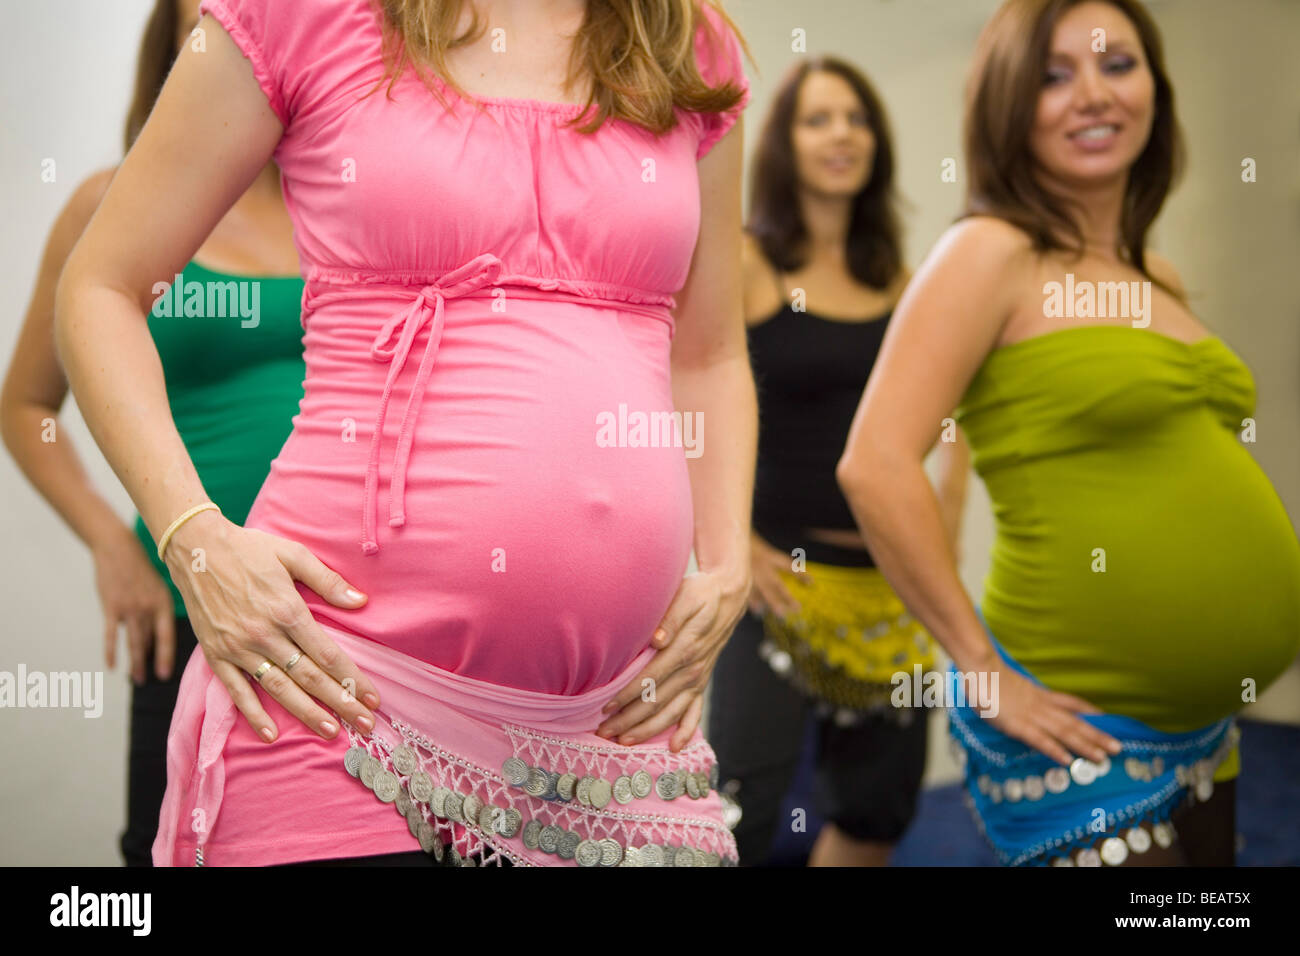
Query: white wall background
x=67 y=71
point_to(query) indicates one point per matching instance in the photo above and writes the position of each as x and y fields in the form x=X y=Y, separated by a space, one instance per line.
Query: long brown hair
x=640 y=55
x=873 y=250
x=1001 y=102
x=154 y=62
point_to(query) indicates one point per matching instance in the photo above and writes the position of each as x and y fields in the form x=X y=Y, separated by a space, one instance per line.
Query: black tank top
x=810 y=372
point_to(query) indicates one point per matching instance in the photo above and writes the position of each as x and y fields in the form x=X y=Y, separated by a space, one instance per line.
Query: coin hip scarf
x=1035 y=812
x=847 y=643
x=480 y=773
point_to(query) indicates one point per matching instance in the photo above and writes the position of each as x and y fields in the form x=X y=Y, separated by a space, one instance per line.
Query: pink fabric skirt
x=469 y=771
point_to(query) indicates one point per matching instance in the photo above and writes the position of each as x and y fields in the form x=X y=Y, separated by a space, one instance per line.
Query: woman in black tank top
x=825 y=633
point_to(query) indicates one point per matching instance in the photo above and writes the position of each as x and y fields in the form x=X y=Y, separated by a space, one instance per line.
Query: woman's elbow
x=866 y=472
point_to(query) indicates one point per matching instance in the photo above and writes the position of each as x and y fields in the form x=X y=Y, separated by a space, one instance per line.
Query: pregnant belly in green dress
x=1143 y=561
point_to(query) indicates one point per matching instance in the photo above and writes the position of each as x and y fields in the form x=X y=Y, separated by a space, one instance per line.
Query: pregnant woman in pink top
x=496 y=303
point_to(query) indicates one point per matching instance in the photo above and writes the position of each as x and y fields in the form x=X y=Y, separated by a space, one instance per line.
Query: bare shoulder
x=986 y=241
x=1164 y=272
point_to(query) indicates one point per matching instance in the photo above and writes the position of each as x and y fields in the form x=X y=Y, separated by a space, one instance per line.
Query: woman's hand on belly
x=670 y=689
x=246 y=611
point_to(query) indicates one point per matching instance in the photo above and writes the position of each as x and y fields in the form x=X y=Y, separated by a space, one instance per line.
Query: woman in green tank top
x=229 y=337
x=1144 y=574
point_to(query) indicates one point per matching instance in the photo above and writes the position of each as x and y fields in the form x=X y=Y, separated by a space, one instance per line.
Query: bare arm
x=711 y=373
x=711 y=378
x=35 y=387
x=946 y=323
x=130 y=591
x=209 y=135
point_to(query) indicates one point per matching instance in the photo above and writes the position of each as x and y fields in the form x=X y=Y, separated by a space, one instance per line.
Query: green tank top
x=1142 y=559
x=231 y=350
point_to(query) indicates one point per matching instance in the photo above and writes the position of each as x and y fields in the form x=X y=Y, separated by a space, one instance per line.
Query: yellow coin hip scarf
x=848 y=640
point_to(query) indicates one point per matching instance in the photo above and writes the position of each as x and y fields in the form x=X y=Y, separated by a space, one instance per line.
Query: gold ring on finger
x=291 y=661
x=262 y=668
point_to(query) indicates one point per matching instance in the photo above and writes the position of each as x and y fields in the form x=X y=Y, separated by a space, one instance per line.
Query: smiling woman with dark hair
x=1144 y=567
x=823 y=271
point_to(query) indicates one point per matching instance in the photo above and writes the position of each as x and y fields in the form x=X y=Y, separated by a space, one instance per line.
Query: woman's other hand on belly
x=669 y=690
x=238 y=585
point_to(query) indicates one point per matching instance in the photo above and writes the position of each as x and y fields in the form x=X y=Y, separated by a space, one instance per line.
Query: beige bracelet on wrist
x=171 y=529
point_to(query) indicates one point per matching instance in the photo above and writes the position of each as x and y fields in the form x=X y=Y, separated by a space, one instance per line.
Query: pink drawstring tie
x=481 y=271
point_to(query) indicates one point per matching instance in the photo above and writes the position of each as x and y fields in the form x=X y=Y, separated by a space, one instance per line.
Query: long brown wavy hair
x=154 y=62
x=1002 y=93
x=639 y=54
x=874 y=255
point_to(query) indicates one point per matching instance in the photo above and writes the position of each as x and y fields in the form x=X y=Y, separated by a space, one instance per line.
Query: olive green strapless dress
x=1142 y=559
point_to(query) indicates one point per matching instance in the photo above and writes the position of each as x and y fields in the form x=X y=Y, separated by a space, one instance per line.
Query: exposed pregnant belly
x=531 y=555
x=1199 y=599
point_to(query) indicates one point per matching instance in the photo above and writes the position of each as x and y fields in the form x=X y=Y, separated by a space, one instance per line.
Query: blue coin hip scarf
x=1035 y=812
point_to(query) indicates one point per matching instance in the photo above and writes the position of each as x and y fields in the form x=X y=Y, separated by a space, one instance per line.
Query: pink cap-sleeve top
x=481 y=288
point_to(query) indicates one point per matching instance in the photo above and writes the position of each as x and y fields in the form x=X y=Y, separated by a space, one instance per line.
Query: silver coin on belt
x=405 y=761
x=588 y=853
x=511 y=822
x=1088 y=857
x=611 y=852
x=1138 y=840
x=666 y=785
x=1163 y=834
x=1114 y=851
x=532 y=834
x=564 y=786
x=552 y=786
x=1056 y=780
x=548 y=841
x=455 y=805
x=652 y=854
x=568 y=845
x=642 y=784
x=369 y=767
x=515 y=771
x=535 y=785
x=352 y=760
x=1084 y=772
x=471 y=808
x=428 y=837
x=421 y=785
x=387 y=785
